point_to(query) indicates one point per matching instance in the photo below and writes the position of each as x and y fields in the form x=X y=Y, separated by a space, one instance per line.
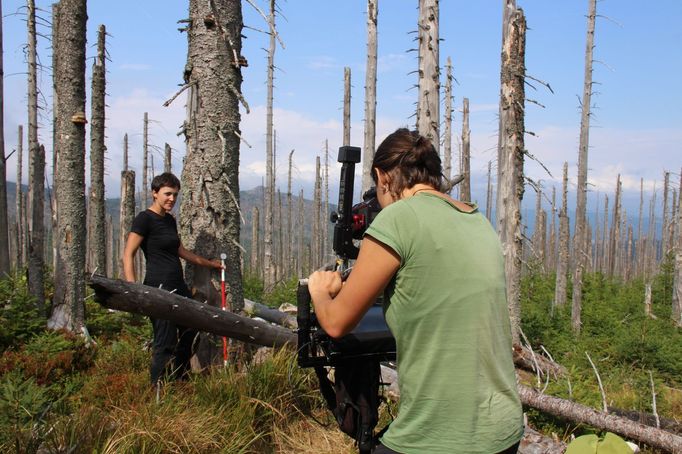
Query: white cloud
x=135 y=67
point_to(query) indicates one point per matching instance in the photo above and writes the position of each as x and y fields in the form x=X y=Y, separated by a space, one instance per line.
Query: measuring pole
x=223 y=302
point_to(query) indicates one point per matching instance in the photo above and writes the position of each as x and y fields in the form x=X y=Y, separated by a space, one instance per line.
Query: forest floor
x=58 y=394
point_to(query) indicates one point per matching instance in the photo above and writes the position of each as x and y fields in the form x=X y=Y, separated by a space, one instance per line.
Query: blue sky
x=636 y=127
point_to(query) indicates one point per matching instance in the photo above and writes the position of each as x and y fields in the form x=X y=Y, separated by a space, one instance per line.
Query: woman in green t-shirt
x=440 y=266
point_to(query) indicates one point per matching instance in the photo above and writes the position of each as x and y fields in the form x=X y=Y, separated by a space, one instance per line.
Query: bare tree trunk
x=615 y=231
x=370 y=95
x=604 y=259
x=447 y=134
x=465 y=185
x=346 y=105
x=96 y=239
x=110 y=245
x=510 y=175
x=489 y=194
x=580 y=216
x=4 y=219
x=640 y=243
x=20 y=216
x=268 y=265
x=127 y=209
x=315 y=239
x=324 y=226
x=144 y=199
x=68 y=310
x=562 y=263
x=550 y=257
x=428 y=102
x=300 y=268
x=255 y=240
x=167 y=168
x=664 y=224
x=290 y=233
x=677 y=280
x=36 y=172
x=210 y=212
x=54 y=203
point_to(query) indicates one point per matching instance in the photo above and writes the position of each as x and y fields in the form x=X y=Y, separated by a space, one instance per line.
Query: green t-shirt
x=446 y=307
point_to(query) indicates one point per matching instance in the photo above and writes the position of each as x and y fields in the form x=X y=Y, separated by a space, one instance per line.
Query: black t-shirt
x=160 y=245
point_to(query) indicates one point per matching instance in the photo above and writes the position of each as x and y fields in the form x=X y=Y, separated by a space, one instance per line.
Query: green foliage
x=23 y=409
x=20 y=317
x=283 y=292
x=253 y=287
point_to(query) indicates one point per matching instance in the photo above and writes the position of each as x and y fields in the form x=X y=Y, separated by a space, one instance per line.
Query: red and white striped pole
x=223 y=302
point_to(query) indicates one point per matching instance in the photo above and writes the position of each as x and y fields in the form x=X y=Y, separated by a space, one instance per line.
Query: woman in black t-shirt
x=156 y=232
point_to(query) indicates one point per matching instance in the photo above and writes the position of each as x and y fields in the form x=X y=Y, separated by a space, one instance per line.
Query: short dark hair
x=166 y=179
x=408 y=158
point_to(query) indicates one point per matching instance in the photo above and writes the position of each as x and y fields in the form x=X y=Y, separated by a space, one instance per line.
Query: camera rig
x=353 y=398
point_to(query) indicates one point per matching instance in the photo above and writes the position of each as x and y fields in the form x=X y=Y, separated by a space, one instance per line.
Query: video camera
x=353 y=398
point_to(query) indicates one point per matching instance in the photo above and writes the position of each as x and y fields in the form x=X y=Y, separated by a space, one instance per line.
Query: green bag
x=591 y=444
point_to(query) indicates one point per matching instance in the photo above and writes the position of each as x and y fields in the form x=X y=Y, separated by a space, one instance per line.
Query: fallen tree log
x=157 y=303
x=526 y=360
x=578 y=413
x=648 y=419
x=270 y=314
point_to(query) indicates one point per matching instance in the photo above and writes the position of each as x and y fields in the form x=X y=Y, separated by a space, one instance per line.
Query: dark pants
x=381 y=449
x=172 y=347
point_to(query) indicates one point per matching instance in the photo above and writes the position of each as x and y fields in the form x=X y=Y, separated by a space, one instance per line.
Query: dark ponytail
x=408 y=158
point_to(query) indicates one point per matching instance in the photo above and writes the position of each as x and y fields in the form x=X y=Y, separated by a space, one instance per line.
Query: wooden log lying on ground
x=575 y=412
x=648 y=419
x=270 y=314
x=525 y=359
x=157 y=303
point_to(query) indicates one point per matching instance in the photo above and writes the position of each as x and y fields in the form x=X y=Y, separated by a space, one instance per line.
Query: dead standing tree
x=4 y=219
x=581 y=240
x=370 y=95
x=96 y=237
x=510 y=158
x=428 y=101
x=68 y=308
x=127 y=208
x=465 y=160
x=36 y=172
x=677 y=281
x=447 y=132
x=562 y=262
x=210 y=213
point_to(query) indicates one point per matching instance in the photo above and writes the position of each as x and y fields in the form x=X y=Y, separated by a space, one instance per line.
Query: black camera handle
x=343 y=218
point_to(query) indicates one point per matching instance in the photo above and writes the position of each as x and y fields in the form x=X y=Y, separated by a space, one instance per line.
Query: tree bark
x=97 y=213
x=255 y=240
x=20 y=216
x=510 y=167
x=167 y=167
x=465 y=185
x=291 y=268
x=209 y=212
x=300 y=266
x=268 y=225
x=315 y=239
x=664 y=223
x=4 y=218
x=68 y=310
x=54 y=203
x=575 y=412
x=158 y=303
x=677 y=280
x=127 y=210
x=614 y=246
x=346 y=106
x=580 y=215
x=36 y=171
x=562 y=262
x=447 y=133
x=428 y=102
x=370 y=95
x=144 y=199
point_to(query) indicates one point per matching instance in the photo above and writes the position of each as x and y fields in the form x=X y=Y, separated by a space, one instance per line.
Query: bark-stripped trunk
x=144 y=199
x=550 y=257
x=325 y=213
x=605 y=237
x=664 y=224
x=54 y=204
x=316 y=237
x=465 y=163
x=36 y=172
x=127 y=210
x=268 y=265
x=447 y=133
x=255 y=224
x=677 y=280
x=4 y=219
x=68 y=310
x=290 y=233
x=428 y=102
x=110 y=245
x=209 y=212
x=346 y=105
x=562 y=262
x=300 y=245
x=167 y=167
x=370 y=95
x=615 y=231
x=20 y=216
x=510 y=174
x=580 y=215
x=96 y=216
x=489 y=194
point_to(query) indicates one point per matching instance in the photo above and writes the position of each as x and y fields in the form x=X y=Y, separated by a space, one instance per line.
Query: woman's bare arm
x=197 y=259
x=132 y=245
x=339 y=307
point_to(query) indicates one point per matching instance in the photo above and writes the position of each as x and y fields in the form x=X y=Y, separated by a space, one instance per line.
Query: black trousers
x=171 y=348
x=381 y=449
